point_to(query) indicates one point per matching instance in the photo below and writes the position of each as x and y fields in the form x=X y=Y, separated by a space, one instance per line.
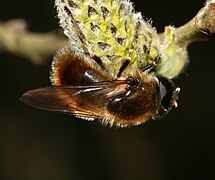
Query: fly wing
x=88 y=102
x=109 y=30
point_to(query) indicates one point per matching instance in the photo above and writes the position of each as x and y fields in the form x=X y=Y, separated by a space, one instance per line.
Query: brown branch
x=176 y=40
x=37 y=47
x=200 y=28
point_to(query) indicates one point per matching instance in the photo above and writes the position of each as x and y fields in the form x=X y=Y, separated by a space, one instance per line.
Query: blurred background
x=39 y=145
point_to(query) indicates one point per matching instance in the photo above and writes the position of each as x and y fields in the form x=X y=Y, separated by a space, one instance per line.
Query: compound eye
x=167 y=89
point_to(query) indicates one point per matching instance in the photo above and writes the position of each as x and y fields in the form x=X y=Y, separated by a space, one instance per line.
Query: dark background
x=39 y=145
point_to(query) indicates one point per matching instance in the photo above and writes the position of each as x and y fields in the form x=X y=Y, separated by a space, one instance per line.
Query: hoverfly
x=109 y=70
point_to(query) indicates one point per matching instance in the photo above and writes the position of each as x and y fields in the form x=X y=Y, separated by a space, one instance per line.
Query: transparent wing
x=108 y=30
x=88 y=102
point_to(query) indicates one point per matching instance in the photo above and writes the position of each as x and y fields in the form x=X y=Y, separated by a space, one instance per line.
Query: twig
x=176 y=40
x=37 y=47
x=200 y=28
